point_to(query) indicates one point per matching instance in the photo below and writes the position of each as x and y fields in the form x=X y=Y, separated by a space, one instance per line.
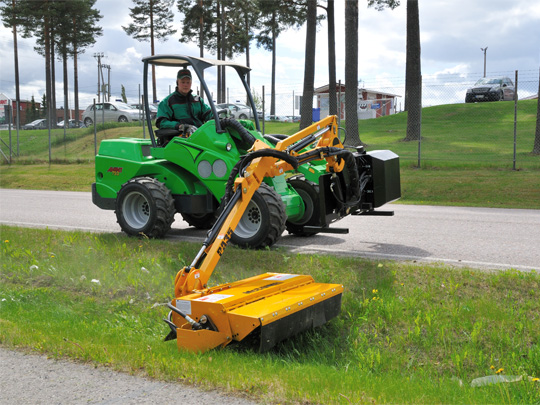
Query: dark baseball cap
x=183 y=73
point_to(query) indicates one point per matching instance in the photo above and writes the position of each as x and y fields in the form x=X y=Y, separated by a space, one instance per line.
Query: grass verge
x=406 y=333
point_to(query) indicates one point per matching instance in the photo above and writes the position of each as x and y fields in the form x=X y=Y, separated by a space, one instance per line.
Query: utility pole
x=106 y=87
x=98 y=56
x=484 y=50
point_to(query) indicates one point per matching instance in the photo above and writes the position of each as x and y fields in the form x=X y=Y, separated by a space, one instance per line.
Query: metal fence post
x=95 y=129
x=263 y=110
x=515 y=119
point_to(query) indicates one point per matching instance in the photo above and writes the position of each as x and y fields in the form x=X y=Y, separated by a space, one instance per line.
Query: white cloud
x=452 y=33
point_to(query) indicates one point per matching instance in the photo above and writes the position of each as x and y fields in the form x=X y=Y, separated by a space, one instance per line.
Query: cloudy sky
x=452 y=33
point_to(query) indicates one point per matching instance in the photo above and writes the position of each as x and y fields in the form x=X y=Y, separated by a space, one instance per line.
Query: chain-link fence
x=452 y=106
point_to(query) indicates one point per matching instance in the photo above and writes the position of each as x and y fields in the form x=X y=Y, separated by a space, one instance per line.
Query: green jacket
x=176 y=109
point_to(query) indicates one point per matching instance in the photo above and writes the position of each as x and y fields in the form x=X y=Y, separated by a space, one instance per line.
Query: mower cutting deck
x=271 y=307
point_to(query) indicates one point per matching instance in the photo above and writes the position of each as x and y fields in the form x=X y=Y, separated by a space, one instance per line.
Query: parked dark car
x=491 y=89
x=37 y=124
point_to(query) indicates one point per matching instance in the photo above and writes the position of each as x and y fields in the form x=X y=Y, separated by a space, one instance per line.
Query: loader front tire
x=263 y=221
x=309 y=192
x=145 y=207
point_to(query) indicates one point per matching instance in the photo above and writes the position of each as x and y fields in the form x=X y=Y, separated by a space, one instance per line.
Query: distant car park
x=110 y=112
x=491 y=89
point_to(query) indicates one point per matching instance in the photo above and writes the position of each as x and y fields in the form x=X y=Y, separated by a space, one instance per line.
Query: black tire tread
x=277 y=219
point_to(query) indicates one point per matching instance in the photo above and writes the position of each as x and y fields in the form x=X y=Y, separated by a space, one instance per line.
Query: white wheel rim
x=136 y=210
x=250 y=223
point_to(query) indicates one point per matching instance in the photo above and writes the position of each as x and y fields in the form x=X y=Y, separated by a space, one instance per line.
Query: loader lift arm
x=261 y=162
x=202 y=318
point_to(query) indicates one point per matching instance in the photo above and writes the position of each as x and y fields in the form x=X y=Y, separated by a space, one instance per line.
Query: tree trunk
x=76 y=83
x=66 y=90
x=53 y=79
x=17 y=90
x=152 y=51
x=224 y=53
x=309 y=67
x=273 y=84
x=248 y=76
x=332 y=100
x=413 y=74
x=352 y=137
x=201 y=36
x=536 y=148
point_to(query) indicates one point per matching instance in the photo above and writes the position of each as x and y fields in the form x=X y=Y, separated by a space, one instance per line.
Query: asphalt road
x=484 y=238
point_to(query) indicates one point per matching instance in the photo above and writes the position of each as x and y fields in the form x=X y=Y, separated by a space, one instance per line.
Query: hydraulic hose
x=243 y=132
x=247 y=159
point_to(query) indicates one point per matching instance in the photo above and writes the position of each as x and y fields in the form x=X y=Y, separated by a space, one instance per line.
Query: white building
x=371 y=103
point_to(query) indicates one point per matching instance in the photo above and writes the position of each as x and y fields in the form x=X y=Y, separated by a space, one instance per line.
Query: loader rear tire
x=263 y=221
x=309 y=192
x=145 y=207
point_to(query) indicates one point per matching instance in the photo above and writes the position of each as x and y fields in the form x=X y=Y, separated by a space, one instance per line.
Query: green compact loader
x=148 y=181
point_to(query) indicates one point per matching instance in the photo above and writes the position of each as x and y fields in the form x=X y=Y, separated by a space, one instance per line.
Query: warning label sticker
x=213 y=298
x=282 y=277
x=184 y=306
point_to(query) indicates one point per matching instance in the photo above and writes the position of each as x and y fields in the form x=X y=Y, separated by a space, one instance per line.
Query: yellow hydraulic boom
x=271 y=306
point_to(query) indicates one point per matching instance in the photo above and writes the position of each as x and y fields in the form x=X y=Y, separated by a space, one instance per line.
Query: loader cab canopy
x=198 y=65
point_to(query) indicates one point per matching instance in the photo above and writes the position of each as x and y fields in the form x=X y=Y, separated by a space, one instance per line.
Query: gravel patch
x=32 y=378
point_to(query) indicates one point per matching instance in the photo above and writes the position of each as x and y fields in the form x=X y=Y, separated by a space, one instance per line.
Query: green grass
x=406 y=333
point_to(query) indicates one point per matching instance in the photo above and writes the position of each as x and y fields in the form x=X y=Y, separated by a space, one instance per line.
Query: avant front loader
x=148 y=181
x=247 y=188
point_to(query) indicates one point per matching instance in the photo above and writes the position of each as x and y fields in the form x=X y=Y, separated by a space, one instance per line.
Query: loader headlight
x=220 y=168
x=204 y=168
x=228 y=147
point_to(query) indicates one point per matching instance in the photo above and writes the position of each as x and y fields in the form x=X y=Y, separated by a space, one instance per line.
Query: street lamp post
x=484 y=50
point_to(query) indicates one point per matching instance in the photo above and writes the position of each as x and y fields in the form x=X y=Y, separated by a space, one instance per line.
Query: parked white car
x=110 y=112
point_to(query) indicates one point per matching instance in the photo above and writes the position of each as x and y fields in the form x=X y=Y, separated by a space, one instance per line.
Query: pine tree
x=309 y=65
x=413 y=74
x=151 y=21
x=352 y=137
x=74 y=32
x=277 y=16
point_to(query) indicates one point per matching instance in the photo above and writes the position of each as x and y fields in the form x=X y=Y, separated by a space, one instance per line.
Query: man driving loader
x=181 y=110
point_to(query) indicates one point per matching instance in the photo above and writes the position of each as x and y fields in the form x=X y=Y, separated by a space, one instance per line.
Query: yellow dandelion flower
x=499 y=371
x=6 y=241
x=375 y=291
x=536 y=379
x=492 y=367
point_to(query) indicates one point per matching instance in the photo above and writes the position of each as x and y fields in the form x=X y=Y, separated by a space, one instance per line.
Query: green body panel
x=187 y=166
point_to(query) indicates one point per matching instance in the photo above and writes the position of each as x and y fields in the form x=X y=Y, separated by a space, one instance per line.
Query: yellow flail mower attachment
x=271 y=307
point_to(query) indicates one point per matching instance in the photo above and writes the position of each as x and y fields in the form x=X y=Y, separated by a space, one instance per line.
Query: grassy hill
x=467 y=154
